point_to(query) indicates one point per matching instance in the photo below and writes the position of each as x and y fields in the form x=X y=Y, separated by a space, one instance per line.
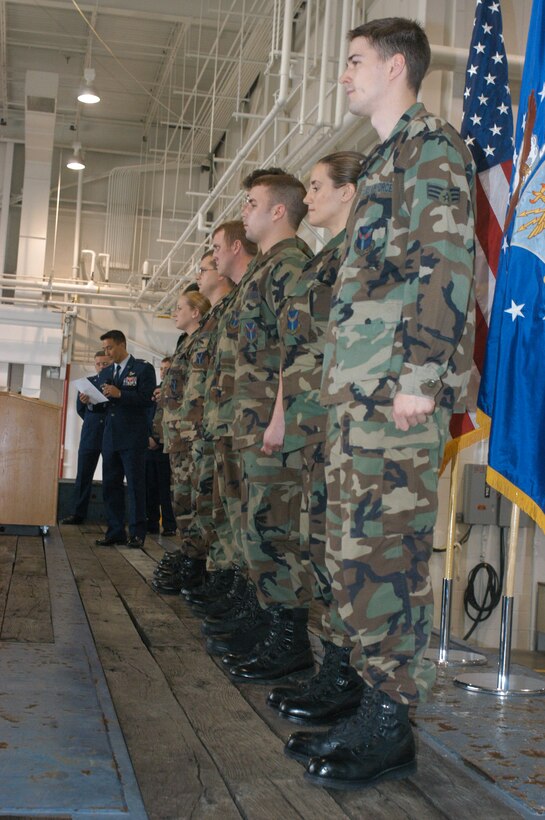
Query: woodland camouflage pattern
x=401 y=320
x=171 y=396
x=303 y=325
x=220 y=383
x=402 y=316
x=262 y=295
x=199 y=353
x=271 y=485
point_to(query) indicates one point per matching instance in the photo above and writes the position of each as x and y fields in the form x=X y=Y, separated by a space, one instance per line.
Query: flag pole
x=503 y=683
x=444 y=656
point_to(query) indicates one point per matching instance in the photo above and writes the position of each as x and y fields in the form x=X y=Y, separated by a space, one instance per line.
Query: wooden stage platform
x=110 y=707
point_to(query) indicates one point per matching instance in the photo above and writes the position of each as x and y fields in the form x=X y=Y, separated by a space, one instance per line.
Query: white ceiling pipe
x=77 y=227
x=100 y=290
x=245 y=150
x=92 y=254
x=54 y=303
x=306 y=48
x=455 y=59
x=106 y=268
x=325 y=63
x=343 y=51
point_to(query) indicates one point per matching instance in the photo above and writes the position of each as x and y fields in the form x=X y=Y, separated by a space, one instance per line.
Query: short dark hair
x=116 y=336
x=249 y=180
x=100 y=353
x=233 y=230
x=287 y=190
x=399 y=35
x=166 y=359
x=208 y=253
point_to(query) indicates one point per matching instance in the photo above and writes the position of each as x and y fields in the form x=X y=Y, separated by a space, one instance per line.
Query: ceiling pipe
x=99 y=290
x=243 y=153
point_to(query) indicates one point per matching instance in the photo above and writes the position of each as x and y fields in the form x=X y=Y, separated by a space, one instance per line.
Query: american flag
x=487 y=126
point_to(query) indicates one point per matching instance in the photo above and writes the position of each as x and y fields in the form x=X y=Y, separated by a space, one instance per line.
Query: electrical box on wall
x=504 y=514
x=481 y=502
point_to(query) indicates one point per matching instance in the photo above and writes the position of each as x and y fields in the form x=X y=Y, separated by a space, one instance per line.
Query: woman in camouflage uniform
x=299 y=423
x=172 y=572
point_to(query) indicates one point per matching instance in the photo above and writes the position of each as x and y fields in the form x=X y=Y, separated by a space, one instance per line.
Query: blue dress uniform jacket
x=90 y=446
x=127 y=417
x=93 y=422
x=124 y=447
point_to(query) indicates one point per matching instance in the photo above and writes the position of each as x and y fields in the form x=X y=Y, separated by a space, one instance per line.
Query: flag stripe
x=487 y=126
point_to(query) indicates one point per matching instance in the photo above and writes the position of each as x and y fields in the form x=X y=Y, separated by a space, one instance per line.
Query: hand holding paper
x=88 y=389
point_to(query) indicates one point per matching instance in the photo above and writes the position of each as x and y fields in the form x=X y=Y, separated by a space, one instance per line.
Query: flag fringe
x=455 y=445
x=516 y=496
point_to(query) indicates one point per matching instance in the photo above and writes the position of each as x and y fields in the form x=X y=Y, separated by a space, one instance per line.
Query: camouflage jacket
x=402 y=314
x=219 y=387
x=303 y=325
x=198 y=356
x=262 y=296
x=170 y=397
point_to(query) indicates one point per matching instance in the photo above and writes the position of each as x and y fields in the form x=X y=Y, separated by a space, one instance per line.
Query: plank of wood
x=8 y=544
x=27 y=615
x=30 y=557
x=176 y=774
x=248 y=754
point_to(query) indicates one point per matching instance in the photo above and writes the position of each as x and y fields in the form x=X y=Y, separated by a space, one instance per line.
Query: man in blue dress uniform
x=90 y=445
x=128 y=384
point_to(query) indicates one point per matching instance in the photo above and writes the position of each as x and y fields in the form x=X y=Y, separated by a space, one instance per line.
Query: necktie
x=116 y=375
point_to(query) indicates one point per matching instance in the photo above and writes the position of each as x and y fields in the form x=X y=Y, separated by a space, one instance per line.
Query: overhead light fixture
x=87 y=93
x=76 y=163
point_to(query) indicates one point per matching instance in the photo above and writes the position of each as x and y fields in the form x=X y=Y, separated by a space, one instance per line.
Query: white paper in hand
x=87 y=387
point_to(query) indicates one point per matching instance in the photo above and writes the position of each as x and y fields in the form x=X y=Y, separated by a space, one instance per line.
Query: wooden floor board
x=175 y=772
x=203 y=747
x=24 y=592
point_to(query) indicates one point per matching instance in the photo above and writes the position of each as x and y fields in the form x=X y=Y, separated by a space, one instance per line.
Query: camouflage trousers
x=201 y=529
x=226 y=549
x=382 y=506
x=180 y=486
x=313 y=544
x=181 y=469
x=271 y=507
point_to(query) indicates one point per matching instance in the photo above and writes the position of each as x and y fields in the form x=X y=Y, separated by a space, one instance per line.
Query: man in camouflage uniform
x=396 y=365
x=233 y=253
x=225 y=597
x=271 y=484
x=216 y=288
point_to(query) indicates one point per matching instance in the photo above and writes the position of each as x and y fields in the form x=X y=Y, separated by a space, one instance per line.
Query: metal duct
x=40 y=110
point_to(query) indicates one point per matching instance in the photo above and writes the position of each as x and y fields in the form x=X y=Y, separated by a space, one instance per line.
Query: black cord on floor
x=492 y=594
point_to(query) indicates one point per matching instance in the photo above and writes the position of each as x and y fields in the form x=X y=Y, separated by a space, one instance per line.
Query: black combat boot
x=374 y=744
x=334 y=692
x=192 y=574
x=217 y=583
x=380 y=747
x=226 y=606
x=245 y=608
x=253 y=626
x=285 y=651
x=170 y=562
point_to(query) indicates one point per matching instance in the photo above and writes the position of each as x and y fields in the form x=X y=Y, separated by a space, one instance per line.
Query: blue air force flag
x=512 y=392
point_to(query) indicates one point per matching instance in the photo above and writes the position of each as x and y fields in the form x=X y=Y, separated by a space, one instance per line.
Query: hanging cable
x=492 y=592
